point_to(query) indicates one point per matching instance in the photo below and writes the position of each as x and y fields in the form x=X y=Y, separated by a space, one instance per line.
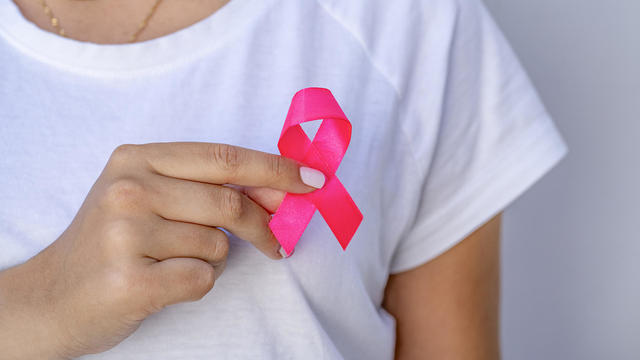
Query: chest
x=56 y=144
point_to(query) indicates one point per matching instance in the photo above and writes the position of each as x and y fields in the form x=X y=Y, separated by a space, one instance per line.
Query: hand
x=144 y=238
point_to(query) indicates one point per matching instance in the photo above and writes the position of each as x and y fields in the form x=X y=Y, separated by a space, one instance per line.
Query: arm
x=448 y=307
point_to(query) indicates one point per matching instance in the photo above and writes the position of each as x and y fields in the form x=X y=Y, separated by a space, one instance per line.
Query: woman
x=447 y=130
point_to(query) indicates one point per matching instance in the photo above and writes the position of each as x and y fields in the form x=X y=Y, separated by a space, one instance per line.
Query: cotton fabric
x=447 y=131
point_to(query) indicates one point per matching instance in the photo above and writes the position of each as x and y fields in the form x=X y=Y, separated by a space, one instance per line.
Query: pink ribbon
x=324 y=153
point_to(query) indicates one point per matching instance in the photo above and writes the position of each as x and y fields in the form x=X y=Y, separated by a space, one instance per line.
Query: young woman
x=447 y=131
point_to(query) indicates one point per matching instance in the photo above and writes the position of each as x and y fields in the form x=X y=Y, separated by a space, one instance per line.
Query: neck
x=115 y=21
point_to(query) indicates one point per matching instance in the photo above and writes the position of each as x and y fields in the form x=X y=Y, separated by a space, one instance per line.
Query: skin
x=448 y=308
x=110 y=269
x=114 y=21
x=144 y=238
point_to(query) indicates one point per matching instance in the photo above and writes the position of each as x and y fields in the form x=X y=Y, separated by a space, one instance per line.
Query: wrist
x=27 y=330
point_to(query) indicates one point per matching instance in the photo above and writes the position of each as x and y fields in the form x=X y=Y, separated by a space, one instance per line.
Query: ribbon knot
x=324 y=153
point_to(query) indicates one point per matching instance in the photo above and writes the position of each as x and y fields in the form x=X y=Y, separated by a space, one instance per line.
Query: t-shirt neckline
x=165 y=51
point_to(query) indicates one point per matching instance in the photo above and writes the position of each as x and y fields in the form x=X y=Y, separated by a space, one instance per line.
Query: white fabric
x=447 y=131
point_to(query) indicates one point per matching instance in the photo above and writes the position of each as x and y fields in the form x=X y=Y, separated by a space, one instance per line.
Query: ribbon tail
x=339 y=211
x=290 y=220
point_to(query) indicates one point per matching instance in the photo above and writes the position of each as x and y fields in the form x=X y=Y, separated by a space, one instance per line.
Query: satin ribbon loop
x=324 y=153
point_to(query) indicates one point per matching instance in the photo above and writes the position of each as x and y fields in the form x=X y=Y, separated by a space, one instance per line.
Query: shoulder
x=383 y=8
x=399 y=35
x=384 y=15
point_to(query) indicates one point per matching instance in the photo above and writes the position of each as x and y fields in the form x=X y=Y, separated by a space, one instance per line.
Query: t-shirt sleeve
x=494 y=137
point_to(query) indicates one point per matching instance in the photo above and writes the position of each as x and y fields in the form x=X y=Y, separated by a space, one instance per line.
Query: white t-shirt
x=447 y=131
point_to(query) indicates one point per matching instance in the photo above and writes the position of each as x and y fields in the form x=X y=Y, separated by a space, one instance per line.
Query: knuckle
x=220 y=247
x=210 y=245
x=203 y=278
x=124 y=154
x=278 y=167
x=233 y=204
x=119 y=237
x=227 y=157
x=124 y=193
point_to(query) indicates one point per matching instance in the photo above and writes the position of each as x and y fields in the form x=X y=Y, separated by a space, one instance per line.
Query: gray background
x=571 y=251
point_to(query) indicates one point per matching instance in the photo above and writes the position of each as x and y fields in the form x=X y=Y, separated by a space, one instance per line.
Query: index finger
x=227 y=164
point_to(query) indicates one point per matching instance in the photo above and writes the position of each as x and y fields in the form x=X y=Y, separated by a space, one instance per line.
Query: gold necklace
x=55 y=22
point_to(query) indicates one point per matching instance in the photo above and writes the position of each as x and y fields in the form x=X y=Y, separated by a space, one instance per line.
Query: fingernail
x=284 y=253
x=312 y=177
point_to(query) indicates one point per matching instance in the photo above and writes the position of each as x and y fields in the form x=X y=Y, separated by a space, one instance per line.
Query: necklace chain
x=55 y=21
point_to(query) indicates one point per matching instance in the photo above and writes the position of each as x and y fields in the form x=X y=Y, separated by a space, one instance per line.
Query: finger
x=269 y=199
x=222 y=164
x=214 y=205
x=171 y=239
x=178 y=280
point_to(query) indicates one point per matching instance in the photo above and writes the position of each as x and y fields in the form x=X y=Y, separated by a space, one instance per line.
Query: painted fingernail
x=312 y=177
x=282 y=252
